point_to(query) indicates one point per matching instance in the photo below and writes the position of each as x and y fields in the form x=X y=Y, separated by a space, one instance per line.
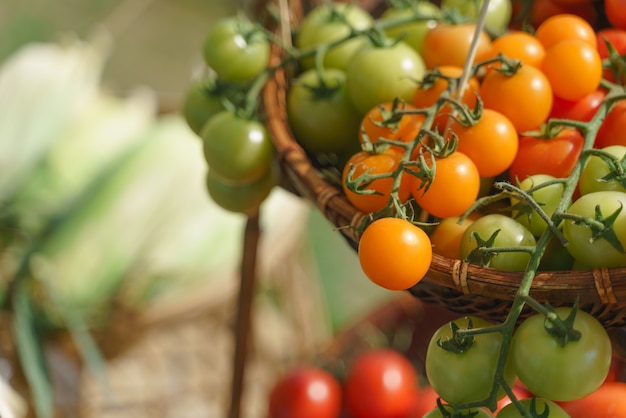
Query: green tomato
x=330 y=22
x=320 y=113
x=468 y=376
x=596 y=169
x=499 y=12
x=236 y=49
x=583 y=245
x=547 y=197
x=379 y=74
x=237 y=149
x=468 y=413
x=240 y=197
x=561 y=372
x=199 y=105
x=510 y=233
x=540 y=405
x=556 y=257
x=412 y=33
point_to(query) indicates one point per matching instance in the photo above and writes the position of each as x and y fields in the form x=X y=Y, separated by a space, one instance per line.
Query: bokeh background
x=180 y=366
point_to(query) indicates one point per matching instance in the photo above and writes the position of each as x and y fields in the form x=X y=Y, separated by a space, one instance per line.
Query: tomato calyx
x=562 y=329
x=616 y=166
x=481 y=254
x=601 y=226
x=460 y=341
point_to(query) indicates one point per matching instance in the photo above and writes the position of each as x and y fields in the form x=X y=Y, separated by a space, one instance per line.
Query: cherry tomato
x=305 y=392
x=573 y=67
x=498 y=12
x=237 y=149
x=510 y=233
x=320 y=113
x=412 y=33
x=236 y=49
x=519 y=45
x=436 y=49
x=199 y=104
x=525 y=97
x=608 y=401
x=541 y=406
x=329 y=22
x=446 y=237
x=467 y=376
x=616 y=13
x=612 y=130
x=547 y=196
x=380 y=384
x=544 y=9
x=592 y=178
x=564 y=27
x=491 y=143
x=240 y=197
x=583 y=245
x=474 y=413
x=389 y=121
x=379 y=74
x=555 y=156
x=616 y=37
x=377 y=192
x=582 y=109
x=394 y=253
x=561 y=372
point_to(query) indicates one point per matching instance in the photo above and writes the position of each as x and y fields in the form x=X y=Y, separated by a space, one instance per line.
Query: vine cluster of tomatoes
x=500 y=163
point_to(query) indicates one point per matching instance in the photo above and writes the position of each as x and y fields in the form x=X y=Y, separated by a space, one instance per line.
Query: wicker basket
x=462 y=287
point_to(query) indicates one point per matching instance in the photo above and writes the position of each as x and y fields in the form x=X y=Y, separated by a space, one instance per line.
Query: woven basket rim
x=604 y=286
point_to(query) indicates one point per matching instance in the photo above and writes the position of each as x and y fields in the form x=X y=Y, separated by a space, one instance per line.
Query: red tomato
x=581 y=109
x=305 y=392
x=613 y=127
x=617 y=38
x=608 y=401
x=425 y=401
x=616 y=12
x=380 y=384
x=553 y=156
x=544 y=9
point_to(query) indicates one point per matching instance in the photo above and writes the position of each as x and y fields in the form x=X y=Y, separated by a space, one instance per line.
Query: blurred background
x=82 y=83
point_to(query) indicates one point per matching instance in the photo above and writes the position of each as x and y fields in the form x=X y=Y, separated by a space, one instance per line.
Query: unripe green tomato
x=199 y=105
x=541 y=405
x=499 y=12
x=546 y=197
x=412 y=33
x=474 y=413
x=594 y=175
x=240 y=197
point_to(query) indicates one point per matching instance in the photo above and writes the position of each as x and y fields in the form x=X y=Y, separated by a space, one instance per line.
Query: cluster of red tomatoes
x=575 y=380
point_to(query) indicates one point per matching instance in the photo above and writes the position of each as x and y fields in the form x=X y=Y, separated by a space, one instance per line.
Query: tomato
x=394 y=253
x=608 y=401
x=561 y=372
x=473 y=413
x=597 y=252
x=328 y=23
x=546 y=196
x=498 y=12
x=436 y=49
x=564 y=27
x=199 y=104
x=555 y=156
x=412 y=33
x=380 y=383
x=240 y=197
x=510 y=233
x=617 y=39
x=491 y=143
x=305 y=392
x=612 y=130
x=379 y=74
x=377 y=192
x=573 y=67
x=453 y=189
x=524 y=97
x=389 y=120
x=542 y=10
x=446 y=237
x=581 y=109
x=593 y=177
x=541 y=405
x=467 y=376
x=236 y=49
x=519 y=45
x=237 y=149
x=320 y=113
x=616 y=13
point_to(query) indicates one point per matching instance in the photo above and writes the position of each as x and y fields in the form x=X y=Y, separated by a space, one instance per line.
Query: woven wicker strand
x=463 y=287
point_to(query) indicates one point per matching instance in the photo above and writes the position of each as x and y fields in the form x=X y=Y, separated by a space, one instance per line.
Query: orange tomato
x=437 y=50
x=565 y=26
x=519 y=45
x=446 y=237
x=385 y=121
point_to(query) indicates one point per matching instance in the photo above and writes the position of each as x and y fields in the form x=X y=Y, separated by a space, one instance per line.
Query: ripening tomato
x=375 y=194
x=305 y=392
x=616 y=13
x=573 y=67
x=446 y=237
x=436 y=49
x=582 y=109
x=453 y=189
x=555 y=156
x=519 y=45
x=525 y=97
x=612 y=130
x=394 y=253
x=491 y=142
x=608 y=401
x=563 y=27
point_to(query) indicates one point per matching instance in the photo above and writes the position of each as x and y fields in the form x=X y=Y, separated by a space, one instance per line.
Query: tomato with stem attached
x=539 y=406
x=518 y=45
